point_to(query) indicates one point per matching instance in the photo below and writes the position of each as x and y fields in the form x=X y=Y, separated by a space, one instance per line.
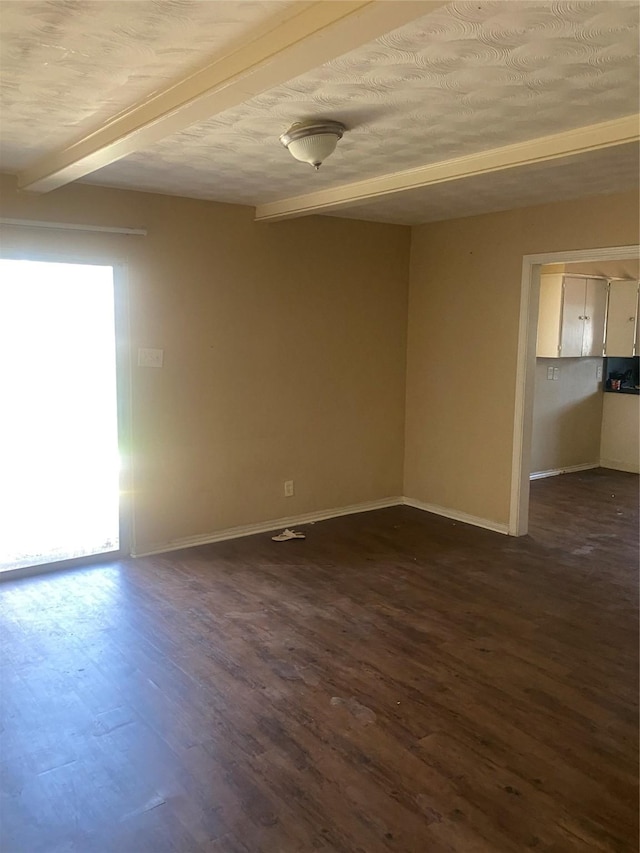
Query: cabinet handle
x=587 y=318
x=632 y=319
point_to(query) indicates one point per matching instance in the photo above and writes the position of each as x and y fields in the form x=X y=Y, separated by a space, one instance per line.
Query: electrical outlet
x=556 y=373
x=150 y=357
x=549 y=372
x=288 y=488
x=599 y=373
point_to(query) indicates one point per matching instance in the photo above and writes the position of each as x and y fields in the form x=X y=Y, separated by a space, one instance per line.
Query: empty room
x=319 y=448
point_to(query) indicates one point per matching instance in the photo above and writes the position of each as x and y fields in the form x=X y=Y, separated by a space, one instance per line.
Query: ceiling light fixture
x=313 y=141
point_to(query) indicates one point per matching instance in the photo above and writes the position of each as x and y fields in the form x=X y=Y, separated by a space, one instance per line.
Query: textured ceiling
x=468 y=77
x=68 y=65
x=608 y=170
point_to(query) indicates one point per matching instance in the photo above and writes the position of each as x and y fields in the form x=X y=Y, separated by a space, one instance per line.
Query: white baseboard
x=620 y=466
x=456 y=515
x=553 y=472
x=266 y=526
x=322 y=515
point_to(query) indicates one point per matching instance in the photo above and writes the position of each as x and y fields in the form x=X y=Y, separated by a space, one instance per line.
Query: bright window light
x=59 y=464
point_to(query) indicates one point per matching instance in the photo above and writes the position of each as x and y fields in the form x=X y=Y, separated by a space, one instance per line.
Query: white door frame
x=526 y=363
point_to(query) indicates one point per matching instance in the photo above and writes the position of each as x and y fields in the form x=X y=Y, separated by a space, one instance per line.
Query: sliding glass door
x=59 y=458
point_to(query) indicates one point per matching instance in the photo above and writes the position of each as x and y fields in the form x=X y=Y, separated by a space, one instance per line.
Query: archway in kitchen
x=525 y=383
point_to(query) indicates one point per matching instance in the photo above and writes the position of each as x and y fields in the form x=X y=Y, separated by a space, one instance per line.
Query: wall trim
x=71 y=226
x=266 y=526
x=569 y=469
x=456 y=515
x=322 y=515
x=616 y=465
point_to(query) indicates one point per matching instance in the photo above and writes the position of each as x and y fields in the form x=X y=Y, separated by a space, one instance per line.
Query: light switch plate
x=150 y=357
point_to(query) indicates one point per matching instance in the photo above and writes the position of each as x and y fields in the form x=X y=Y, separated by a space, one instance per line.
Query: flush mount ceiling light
x=313 y=141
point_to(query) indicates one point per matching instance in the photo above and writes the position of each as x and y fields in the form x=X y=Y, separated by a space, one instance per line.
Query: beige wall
x=464 y=303
x=285 y=347
x=284 y=354
x=567 y=414
x=620 y=445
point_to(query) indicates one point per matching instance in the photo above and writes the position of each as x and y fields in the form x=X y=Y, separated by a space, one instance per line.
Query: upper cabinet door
x=571 y=316
x=549 y=316
x=573 y=313
x=622 y=318
x=595 y=306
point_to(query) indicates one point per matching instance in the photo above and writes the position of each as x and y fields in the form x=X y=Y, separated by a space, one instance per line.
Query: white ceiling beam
x=290 y=44
x=568 y=143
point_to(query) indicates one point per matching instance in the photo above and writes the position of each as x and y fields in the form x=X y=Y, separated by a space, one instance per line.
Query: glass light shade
x=314 y=149
x=313 y=141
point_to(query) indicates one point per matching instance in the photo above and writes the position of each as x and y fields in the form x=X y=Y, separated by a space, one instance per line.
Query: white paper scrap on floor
x=288 y=534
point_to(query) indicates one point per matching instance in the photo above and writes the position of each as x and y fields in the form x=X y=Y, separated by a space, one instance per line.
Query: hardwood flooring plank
x=394 y=682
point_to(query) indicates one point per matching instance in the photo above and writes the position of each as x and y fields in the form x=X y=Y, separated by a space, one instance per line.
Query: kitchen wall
x=284 y=357
x=567 y=414
x=620 y=442
x=464 y=303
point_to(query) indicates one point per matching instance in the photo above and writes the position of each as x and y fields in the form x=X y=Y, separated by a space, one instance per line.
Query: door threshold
x=61 y=565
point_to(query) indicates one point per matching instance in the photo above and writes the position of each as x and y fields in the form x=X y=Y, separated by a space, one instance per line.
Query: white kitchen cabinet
x=571 y=316
x=622 y=319
x=619 y=445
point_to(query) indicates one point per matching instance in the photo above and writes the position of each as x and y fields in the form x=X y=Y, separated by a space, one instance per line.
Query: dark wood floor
x=395 y=682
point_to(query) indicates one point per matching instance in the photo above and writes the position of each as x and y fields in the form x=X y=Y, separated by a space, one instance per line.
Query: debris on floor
x=288 y=534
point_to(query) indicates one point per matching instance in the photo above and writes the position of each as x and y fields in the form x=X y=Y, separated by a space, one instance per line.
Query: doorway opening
x=59 y=437
x=526 y=367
